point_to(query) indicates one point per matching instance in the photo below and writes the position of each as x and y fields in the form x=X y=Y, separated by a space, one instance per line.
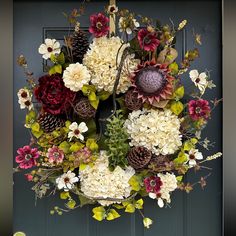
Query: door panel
x=190 y=215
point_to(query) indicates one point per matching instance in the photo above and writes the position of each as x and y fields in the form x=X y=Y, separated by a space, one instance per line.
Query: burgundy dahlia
x=26 y=157
x=54 y=96
x=199 y=109
x=99 y=25
x=153 y=184
x=148 y=41
x=152 y=82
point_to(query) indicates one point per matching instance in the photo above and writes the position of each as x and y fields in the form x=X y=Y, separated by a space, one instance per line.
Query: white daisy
x=24 y=99
x=194 y=155
x=66 y=181
x=77 y=130
x=49 y=47
x=200 y=80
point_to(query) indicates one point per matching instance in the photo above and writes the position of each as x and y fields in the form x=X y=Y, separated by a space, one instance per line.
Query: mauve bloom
x=199 y=109
x=99 y=25
x=153 y=184
x=54 y=96
x=55 y=155
x=148 y=40
x=27 y=157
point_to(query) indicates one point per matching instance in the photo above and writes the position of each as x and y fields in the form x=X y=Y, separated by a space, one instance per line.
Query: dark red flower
x=199 y=109
x=54 y=96
x=153 y=184
x=148 y=40
x=99 y=25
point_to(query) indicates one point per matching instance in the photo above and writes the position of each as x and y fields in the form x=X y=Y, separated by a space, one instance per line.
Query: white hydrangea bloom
x=75 y=76
x=100 y=59
x=169 y=184
x=157 y=130
x=99 y=181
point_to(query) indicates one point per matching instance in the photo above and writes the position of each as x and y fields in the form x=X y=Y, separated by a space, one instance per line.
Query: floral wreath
x=147 y=143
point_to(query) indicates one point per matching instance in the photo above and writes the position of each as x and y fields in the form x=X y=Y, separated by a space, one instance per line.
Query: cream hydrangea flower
x=100 y=59
x=99 y=181
x=157 y=130
x=49 y=47
x=75 y=76
x=169 y=184
x=67 y=181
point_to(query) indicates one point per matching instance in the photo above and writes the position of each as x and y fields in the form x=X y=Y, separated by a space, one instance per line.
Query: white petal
x=136 y=24
x=193 y=74
x=80 y=136
x=46 y=55
x=56 y=45
x=70 y=135
x=83 y=127
x=203 y=76
x=57 y=51
x=192 y=162
x=128 y=31
x=49 y=42
x=152 y=195
x=160 y=202
x=199 y=156
x=43 y=49
x=73 y=126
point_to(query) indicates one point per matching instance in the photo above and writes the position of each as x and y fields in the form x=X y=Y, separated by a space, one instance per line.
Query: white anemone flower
x=25 y=99
x=123 y=27
x=77 y=130
x=194 y=155
x=49 y=47
x=200 y=80
x=67 y=181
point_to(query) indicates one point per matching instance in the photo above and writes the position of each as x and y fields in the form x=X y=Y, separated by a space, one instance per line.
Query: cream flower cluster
x=101 y=61
x=99 y=181
x=157 y=130
x=169 y=184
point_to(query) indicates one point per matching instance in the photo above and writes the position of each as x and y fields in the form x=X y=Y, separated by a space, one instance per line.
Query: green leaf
x=82 y=166
x=58 y=69
x=179 y=178
x=92 y=128
x=182 y=157
x=176 y=107
x=112 y=215
x=92 y=96
x=179 y=92
x=64 y=195
x=190 y=144
x=61 y=58
x=139 y=204
x=92 y=145
x=130 y=208
x=53 y=58
x=174 y=68
x=85 y=201
x=103 y=95
x=30 y=118
x=87 y=89
x=71 y=204
x=37 y=134
x=135 y=183
x=35 y=127
x=75 y=147
x=99 y=213
x=94 y=103
x=65 y=147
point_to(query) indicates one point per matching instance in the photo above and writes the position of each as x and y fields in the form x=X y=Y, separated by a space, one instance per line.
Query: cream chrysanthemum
x=99 y=181
x=101 y=61
x=75 y=76
x=157 y=130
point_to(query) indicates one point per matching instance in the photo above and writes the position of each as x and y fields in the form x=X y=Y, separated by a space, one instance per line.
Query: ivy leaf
x=174 y=68
x=179 y=92
x=190 y=144
x=130 y=208
x=177 y=107
x=53 y=58
x=92 y=145
x=94 y=103
x=135 y=183
x=64 y=195
x=87 y=89
x=182 y=157
x=58 y=69
x=65 y=147
x=61 y=58
x=103 y=95
x=75 y=147
x=71 y=204
x=112 y=215
x=99 y=213
x=37 y=134
x=82 y=166
x=139 y=204
x=30 y=118
x=35 y=127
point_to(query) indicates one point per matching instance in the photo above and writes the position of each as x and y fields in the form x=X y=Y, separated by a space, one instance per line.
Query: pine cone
x=132 y=101
x=49 y=122
x=80 y=45
x=139 y=157
x=84 y=109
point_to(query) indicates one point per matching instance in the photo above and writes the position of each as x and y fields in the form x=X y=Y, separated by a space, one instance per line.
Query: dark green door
x=197 y=214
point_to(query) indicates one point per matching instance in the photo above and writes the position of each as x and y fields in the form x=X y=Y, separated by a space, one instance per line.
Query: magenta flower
x=153 y=184
x=148 y=40
x=55 y=155
x=27 y=157
x=199 y=109
x=99 y=25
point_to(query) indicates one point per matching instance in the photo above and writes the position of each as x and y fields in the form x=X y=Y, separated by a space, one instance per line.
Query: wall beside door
x=190 y=215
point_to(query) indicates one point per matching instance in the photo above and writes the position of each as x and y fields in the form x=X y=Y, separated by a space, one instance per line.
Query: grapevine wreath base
x=147 y=141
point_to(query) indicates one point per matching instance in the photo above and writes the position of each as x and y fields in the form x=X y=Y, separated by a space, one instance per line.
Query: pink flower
x=153 y=184
x=55 y=155
x=27 y=157
x=99 y=25
x=199 y=109
x=148 y=40
x=29 y=177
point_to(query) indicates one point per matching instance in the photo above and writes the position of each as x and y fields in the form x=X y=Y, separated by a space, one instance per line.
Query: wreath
x=111 y=121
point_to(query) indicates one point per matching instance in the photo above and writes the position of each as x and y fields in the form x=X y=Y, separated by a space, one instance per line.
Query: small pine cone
x=84 y=109
x=132 y=101
x=80 y=45
x=139 y=157
x=158 y=161
x=49 y=122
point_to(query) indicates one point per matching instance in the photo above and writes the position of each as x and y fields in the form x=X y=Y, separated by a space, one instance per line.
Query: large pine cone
x=139 y=157
x=84 y=109
x=49 y=122
x=80 y=45
x=132 y=101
